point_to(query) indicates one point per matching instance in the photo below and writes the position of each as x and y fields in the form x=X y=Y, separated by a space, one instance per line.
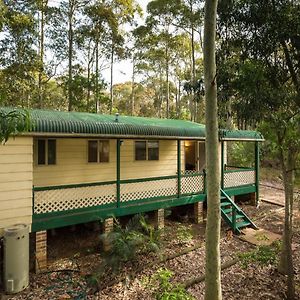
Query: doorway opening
x=190 y=155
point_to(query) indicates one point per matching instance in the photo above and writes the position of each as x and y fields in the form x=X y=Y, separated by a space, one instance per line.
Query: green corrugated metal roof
x=79 y=123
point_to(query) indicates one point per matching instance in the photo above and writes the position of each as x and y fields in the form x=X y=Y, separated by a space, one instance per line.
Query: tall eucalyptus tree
x=212 y=240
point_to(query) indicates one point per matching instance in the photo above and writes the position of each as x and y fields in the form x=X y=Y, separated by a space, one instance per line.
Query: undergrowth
x=263 y=255
x=163 y=289
x=184 y=234
x=127 y=243
x=137 y=237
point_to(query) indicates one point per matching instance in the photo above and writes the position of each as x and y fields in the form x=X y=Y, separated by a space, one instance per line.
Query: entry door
x=201 y=156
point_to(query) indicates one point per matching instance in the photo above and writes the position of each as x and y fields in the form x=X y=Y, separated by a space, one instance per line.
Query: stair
x=233 y=214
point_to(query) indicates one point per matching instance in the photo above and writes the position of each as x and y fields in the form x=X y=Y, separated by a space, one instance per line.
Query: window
x=46 y=152
x=153 y=150
x=93 y=151
x=140 y=150
x=146 y=150
x=98 y=151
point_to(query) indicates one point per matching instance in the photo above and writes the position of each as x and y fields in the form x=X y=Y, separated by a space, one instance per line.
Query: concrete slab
x=259 y=237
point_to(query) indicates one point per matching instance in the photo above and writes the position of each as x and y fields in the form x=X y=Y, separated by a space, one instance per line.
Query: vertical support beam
x=178 y=168
x=198 y=212
x=233 y=219
x=204 y=182
x=257 y=171
x=118 y=172
x=222 y=164
x=159 y=216
x=108 y=226
x=40 y=251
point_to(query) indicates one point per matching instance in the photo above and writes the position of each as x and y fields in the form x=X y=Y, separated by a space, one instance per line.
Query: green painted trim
x=204 y=182
x=240 y=190
x=192 y=175
x=69 y=186
x=190 y=194
x=32 y=208
x=145 y=200
x=237 y=167
x=66 y=186
x=222 y=164
x=99 y=213
x=234 y=219
x=168 y=203
x=147 y=179
x=118 y=171
x=240 y=170
x=74 y=211
x=257 y=171
x=178 y=168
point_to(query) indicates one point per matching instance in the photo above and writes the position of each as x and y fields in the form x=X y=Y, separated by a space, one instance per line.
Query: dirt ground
x=75 y=255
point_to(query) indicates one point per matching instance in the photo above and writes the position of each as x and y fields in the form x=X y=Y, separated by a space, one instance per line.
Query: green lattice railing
x=69 y=197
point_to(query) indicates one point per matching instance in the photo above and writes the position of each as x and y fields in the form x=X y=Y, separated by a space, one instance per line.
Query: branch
x=292 y=70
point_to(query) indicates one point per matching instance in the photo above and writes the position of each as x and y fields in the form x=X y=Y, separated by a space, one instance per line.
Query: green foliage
x=164 y=289
x=12 y=123
x=184 y=234
x=126 y=243
x=263 y=255
x=240 y=154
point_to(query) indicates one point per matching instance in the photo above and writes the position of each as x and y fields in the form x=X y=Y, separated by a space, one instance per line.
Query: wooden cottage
x=79 y=167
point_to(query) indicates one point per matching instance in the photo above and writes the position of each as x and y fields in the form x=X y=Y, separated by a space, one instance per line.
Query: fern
x=126 y=243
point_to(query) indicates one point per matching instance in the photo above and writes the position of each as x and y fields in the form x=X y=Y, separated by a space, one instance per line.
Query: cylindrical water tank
x=16 y=258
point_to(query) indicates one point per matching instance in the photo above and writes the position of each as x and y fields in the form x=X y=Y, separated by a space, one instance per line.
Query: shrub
x=184 y=234
x=126 y=243
x=241 y=154
x=163 y=289
x=264 y=255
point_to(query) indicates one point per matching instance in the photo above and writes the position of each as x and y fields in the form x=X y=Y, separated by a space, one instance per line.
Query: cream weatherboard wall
x=16 y=162
x=165 y=166
x=72 y=166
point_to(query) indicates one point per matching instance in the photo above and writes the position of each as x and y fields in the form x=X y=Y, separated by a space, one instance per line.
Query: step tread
x=227 y=210
x=237 y=218
x=243 y=224
x=225 y=203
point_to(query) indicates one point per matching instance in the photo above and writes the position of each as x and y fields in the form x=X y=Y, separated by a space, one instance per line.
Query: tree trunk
x=286 y=259
x=88 y=97
x=229 y=122
x=70 y=67
x=167 y=82
x=178 y=96
x=132 y=86
x=111 y=80
x=97 y=78
x=194 y=106
x=213 y=262
x=41 y=67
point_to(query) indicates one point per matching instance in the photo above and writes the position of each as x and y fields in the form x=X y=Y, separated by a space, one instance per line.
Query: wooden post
x=40 y=251
x=178 y=168
x=108 y=226
x=118 y=172
x=222 y=164
x=257 y=171
x=159 y=216
x=198 y=212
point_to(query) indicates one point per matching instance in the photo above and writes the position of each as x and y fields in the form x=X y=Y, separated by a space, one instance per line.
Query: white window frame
x=98 y=151
x=46 y=152
x=147 y=152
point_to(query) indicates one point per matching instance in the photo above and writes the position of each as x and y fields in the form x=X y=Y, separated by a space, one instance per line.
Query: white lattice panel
x=192 y=184
x=234 y=179
x=189 y=172
x=72 y=198
x=148 y=189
